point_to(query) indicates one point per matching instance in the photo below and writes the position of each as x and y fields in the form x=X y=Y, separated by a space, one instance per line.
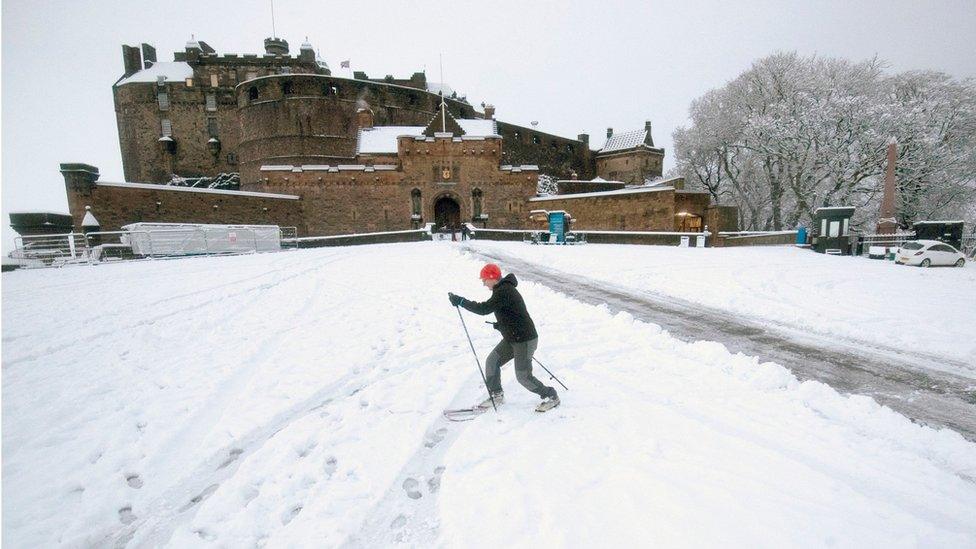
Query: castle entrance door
x=447 y=214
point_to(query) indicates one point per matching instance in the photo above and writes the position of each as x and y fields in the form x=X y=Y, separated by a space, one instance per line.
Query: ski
x=464 y=414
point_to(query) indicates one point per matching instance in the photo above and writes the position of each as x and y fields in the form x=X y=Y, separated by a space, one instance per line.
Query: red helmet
x=491 y=271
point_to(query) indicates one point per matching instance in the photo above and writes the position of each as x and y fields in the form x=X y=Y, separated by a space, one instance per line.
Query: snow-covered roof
x=154 y=187
x=602 y=193
x=440 y=87
x=89 y=220
x=477 y=127
x=383 y=139
x=624 y=140
x=177 y=71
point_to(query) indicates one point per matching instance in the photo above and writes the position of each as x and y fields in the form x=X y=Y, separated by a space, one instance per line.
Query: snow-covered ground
x=859 y=300
x=294 y=399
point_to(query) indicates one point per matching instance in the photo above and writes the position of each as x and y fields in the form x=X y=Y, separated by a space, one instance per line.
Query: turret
x=276 y=46
x=79 y=177
x=131 y=60
x=306 y=53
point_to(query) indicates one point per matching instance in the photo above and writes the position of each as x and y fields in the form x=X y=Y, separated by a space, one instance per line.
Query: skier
x=519 y=338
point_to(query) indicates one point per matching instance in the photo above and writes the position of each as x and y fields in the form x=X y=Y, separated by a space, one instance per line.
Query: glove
x=456 y=300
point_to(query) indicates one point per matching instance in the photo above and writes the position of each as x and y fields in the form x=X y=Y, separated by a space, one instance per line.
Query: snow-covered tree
x=793 y=134
x=546 y=185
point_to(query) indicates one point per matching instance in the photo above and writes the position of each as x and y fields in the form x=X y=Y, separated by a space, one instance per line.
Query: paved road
x=904 y=382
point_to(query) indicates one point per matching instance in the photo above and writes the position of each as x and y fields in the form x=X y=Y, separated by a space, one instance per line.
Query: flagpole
x=443 y=110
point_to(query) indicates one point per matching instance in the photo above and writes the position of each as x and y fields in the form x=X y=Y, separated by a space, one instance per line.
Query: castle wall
x=315 y=121
x=557 y=156
x=626 y=211
x=630 y=166
x=115 y=205
x=139 y=115
x=366 y=199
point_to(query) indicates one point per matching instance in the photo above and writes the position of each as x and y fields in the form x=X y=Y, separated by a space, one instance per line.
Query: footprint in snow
x=126 y=516
x=434 y=482
x=436 y=438
x=231 y=457
x=200 y=497
x=134 y=481
x=410 y=486
x=331 y=465
x=290 y=514
x=205 y=534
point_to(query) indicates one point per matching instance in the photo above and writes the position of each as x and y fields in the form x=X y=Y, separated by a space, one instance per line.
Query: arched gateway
x=447 y=213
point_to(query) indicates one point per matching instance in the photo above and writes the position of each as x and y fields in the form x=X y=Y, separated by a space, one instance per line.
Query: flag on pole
x=344 y=64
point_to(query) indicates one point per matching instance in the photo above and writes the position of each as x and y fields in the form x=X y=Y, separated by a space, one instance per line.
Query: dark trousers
x=522 y=353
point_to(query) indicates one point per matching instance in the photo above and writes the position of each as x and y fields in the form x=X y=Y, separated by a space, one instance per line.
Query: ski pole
x=551 y=375
x=478 y=362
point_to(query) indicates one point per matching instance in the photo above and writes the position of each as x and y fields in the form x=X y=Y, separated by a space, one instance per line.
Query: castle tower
x=275 y=46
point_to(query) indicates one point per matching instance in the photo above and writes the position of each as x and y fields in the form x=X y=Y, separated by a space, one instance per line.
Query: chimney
x=609 y=133
x=364 y=117
x=489 y=112
x=148 y=55
x=131 y=60
x=648 y=139
x=584 y=138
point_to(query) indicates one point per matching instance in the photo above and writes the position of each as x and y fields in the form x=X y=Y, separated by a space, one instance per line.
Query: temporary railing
x=102 y=246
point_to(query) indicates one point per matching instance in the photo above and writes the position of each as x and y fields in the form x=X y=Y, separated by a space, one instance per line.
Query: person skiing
x=519 y=338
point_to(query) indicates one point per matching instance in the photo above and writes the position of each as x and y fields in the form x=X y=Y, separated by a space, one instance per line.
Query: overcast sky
x=575 y=67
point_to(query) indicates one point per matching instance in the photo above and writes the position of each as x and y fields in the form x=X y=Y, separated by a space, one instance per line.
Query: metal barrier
x=862 y=243
x=50 y=250
x=57 y=250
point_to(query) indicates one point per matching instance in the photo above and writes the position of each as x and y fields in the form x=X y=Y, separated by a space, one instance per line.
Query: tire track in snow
x=897 y=380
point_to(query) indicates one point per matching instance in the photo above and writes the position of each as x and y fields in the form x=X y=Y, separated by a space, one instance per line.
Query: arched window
x=415 y=202
x=252 y=93
x=288 y=88
x=476 y=196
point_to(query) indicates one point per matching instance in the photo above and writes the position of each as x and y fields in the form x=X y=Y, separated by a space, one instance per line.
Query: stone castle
x=277 y=138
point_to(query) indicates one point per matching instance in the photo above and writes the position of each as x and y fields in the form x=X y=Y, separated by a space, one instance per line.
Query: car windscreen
x=912 y=246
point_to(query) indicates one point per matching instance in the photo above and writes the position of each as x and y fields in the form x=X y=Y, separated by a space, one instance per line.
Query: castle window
x=252 y=93
x=166 y=127
x=517 y=136
x=231 y=158
x=163 y=99
x=554 y=145
x=285 y=70
x=214 y=80
x=189 y=82
x=570 y=149
x=211 y=101
x=212 y=127
x=536 y=140
x=288 y=88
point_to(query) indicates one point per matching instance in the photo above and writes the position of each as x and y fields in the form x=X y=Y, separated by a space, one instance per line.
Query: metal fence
x=58 y=250
x=862 y=243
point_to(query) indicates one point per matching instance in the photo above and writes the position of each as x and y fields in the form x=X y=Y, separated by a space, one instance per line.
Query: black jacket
x=506 y=302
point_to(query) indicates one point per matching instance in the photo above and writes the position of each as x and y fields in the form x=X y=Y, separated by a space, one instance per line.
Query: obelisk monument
x=887 y=224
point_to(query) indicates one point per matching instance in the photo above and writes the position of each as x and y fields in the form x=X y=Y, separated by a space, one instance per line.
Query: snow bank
x=275 y=400
x=856 y=300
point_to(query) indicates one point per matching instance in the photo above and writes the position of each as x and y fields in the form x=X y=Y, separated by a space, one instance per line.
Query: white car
x=927 y=253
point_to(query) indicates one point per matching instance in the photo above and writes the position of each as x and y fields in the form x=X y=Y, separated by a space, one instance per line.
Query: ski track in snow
x=311 y=416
